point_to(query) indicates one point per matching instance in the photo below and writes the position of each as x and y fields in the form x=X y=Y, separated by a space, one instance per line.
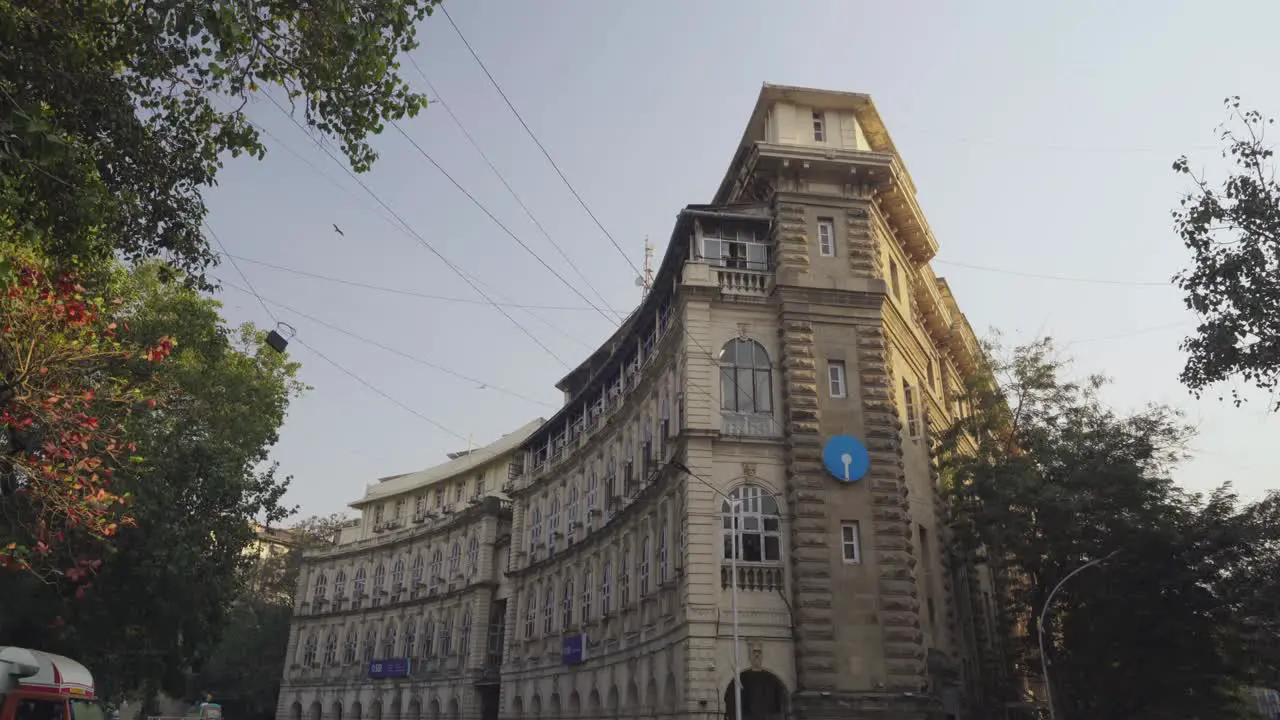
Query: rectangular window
x=932 y=385
x=827 y=237
x=835 y=378
x=850 y=544
x=480 y=485
x=913 y=413
x=819 y=127
x=439 y=498
x=894 y=283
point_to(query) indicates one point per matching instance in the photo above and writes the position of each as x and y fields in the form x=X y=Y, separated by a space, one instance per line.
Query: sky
x=1040 y=137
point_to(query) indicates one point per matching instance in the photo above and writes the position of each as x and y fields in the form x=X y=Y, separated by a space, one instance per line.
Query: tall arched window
x=389 y=640
x=553 y=522
x=746 y=378
x=566 y=606
x=455 y=559
x=436 y=570
x=663 y=555
x=309 y=650
x=473 y=555
x=549 y=608
x=397 y=576
x=379 y=584
x=370 y=642
x=584 y=612
x=411 y=638
x=415 y=575
x=340 y=586
x=359 y=584
x=322 y=584
x=331 y=648
x=446 y=634
x=643 y=569
x=535 y=528
x=758 y=522
x=606 y=591
x=350 y=647
x=624 y=576
x=571 y=510
x=531 y=612
x=464 y=637
x=593 y=486
x=429 y=638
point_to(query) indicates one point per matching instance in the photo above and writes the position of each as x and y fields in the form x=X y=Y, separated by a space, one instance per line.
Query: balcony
x=741 y=283
x=748 y=425
x=754 y=578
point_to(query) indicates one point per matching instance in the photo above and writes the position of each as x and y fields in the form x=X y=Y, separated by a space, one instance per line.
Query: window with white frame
x=350 y=647
x=593 y=486
x=746 y=378
x=819 y=127
x=446 y=634
x=378 y=512
x=531 y=613
x=464 y=636
x=566 y=605
x=549 y=608
x=389 y=640
x=571 y=510
x=455 y=559
x=429 y=638
x=480 y=486
x=624 y=576
x=585 y=610
x=643 y=569
x=827 y=237
x=754 y=513
x=420 y=505
x=370 y=642
x=606 y=591
x=663 y=564
x=358 y=586
x=397 y=576
x=415 y=573
x=737 y=248
x=535 y=529
x=836 y=379
x=309 y=650
x=850 y=543
x=340 y=585
x=473 y=555
x=439 y=498
x=913 y=411
x=379 y=584
x=322 y=583
x=399 y=511
x=411 y=638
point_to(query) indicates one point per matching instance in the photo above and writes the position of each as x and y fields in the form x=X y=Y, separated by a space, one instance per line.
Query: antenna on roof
x=646 y=281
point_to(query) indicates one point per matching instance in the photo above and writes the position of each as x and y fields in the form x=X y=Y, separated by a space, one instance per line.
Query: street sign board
x=391 y=668
x=573 y=649
x=846 y=458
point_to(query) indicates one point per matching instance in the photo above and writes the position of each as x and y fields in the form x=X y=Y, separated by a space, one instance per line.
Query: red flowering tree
x=69 y=381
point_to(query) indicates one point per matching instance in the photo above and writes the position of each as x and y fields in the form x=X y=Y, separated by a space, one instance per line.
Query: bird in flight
x=338 y=230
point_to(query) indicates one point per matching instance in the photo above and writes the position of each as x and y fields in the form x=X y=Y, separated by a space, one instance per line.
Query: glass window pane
x=771 y=524
x=773 y=548
x=728 y=392
x=751 y=522
x=728 y=547
x=761 y=358
x=744 y=391
x=768 y=505
x=757 y=256
x=763 y=391
x=751 y=547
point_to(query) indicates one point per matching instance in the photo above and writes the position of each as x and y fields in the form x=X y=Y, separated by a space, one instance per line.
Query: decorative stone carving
x=755 y=654
x=749 y=470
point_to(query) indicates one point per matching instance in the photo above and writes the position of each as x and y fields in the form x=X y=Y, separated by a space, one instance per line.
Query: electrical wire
x=400 y=353
x=499 y=223
x=418 y=237
x=1060 y=278
x=537 y=142
x=436 y=99
x=244 y=277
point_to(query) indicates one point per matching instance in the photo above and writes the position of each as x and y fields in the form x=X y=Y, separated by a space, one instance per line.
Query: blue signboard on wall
x=393 y=668
x=573 y=650
x=846 y=458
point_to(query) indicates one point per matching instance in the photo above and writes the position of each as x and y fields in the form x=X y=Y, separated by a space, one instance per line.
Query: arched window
x=663 y=555
x=473 y=555
x=549 y=608
x=389 y=640
x=309 y=651
x=571 y=509
x=322 y=584
x=566 y=605
x=379 y=584
x=429 y=638
x=359 y=584
x=535 y=528
x=415 y=574
x=455 y=559
x=611 y=475
x=340 y=586
x=606 y=592
x=436 y=571
x=370 y=642
x=331 y=648
x=624 y=576
x=643 y=569
x=411 y=638
x=397 y=576
x=531 y=612
x=464 y=637
x=746 y=378
x=584 y=611
x=350 y=647
x=759 y=525
x=446 y=634
x=593 y=486
x=553 y=522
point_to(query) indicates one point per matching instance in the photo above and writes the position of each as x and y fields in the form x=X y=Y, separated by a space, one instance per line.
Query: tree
x=160 y=598
x=1233 y=232
x=244 y=670
x=115 y=116
x=1045 y=477
x=64 y=408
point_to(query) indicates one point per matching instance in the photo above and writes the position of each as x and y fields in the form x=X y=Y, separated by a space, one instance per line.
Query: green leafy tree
x=1047 y=478
x=115 y=116
x=1232 y=229
x=160 y=599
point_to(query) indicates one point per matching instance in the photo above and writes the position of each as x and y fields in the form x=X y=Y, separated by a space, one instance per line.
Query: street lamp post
x=1044 y=659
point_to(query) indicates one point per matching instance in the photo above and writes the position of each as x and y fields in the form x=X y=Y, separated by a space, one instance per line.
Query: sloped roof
x=460 y=464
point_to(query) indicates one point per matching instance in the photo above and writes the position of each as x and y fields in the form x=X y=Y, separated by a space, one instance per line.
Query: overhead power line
x=436 y=99
x=400 y=353
x=418 y=237
x=243 y=277
x=1060 y=278
x=538 y=142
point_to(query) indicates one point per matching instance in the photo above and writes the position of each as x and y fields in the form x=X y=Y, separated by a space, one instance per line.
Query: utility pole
x=1044 y=659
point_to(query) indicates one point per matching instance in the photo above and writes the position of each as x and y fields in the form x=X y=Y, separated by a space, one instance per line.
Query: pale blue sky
x=1040 y=137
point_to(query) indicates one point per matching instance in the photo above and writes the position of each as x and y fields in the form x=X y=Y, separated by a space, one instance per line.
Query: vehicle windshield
x=86 y=710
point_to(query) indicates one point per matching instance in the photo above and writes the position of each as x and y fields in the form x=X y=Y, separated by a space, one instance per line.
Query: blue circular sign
x=846 y=459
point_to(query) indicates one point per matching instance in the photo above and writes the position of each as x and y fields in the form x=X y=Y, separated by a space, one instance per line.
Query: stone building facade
x=799 y=305
x=403 y=617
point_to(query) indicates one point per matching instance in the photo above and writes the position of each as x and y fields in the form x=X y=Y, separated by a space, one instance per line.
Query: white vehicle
x=36 y=685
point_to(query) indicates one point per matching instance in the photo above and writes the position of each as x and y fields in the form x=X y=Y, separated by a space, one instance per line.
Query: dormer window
x=819 y=127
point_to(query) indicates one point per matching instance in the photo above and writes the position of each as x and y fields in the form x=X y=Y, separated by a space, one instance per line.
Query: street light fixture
x=1044 y=659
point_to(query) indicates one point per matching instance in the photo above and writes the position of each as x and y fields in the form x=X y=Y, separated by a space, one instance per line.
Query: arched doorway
x=295 y=712
x=433 y=709
x=375 y=710
x=335 y=710
x=575 y=704
x=357 y=710
x=415 y=709
x=764 y=697
x=315 y=711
